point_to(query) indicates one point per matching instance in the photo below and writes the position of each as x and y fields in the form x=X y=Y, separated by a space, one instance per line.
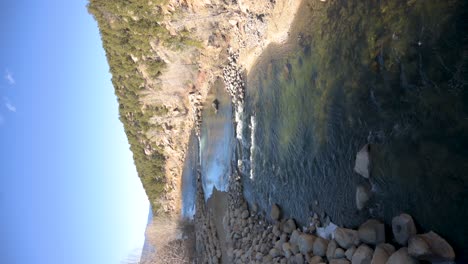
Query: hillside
x=127 y=30
x=164 y=55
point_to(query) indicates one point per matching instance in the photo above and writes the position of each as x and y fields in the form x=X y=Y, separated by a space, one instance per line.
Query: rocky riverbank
x=253 y=236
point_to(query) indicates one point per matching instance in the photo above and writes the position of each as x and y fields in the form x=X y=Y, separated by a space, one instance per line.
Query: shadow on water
x=217 y=140
x=390 y=73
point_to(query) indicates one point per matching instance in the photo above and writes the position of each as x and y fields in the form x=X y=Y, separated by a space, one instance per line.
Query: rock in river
x=289 y=226
x=430 y=247
x=363 y=161
x=275 y=212
x=403 y=228
x=363 y=195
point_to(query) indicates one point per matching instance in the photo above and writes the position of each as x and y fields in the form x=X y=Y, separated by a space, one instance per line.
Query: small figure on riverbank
x=215 y=105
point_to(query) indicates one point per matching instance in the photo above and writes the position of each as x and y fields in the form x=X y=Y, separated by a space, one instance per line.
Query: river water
x=389 y=73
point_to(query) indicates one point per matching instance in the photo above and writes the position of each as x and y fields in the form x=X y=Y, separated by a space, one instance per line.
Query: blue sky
x=69 y=192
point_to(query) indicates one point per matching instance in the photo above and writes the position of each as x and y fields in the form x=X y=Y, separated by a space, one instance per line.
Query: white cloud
x=9 y=77
x=9 y=105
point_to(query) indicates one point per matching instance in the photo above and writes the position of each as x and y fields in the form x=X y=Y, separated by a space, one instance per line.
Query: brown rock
x=331 y=249
x=305 y=242
x=435 y=249
x=320 y=246
x=401 y=257
x=346 y=237
x=362 y=255
x=275 y=212
x=315 y=260
x=381 y=253
x=372 y=232
x=289 y=226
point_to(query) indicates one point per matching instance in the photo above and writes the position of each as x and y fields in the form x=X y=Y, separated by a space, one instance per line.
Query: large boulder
x=346 y=237
x=381 y=253
x=403 y=228
x=305 y=242
x=320 y=246
x=289 y=226
x=372 y=232
x=363 y=195
x=430 y=247
x=401 y=257
x=362 y=163
x=275 y=212
x=363 y=255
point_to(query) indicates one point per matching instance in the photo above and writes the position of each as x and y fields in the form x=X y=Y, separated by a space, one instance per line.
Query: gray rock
x=275 y=212
x=287 y=249
x=289 y=226
x=350 y=252
x=298 y=259
x=339 y=261
x=381 y=253
x=401 y=257
x=418 y=247
x=363 y=195
x=259 y=256
x=372 y=232
x=430 y=247
x=362 y=255
x=346 y=237
x=245 y=214
x=305 y=242
x=320 y=246
x=403 y=228
x=362 y=163
x=315 y=260
x=294 y=237
x=294 y=249
x=339 y=253
x=274 y=252
x=331 y=249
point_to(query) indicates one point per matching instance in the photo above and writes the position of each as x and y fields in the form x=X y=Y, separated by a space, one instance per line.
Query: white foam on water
x=253 y=125
x=327 y=232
